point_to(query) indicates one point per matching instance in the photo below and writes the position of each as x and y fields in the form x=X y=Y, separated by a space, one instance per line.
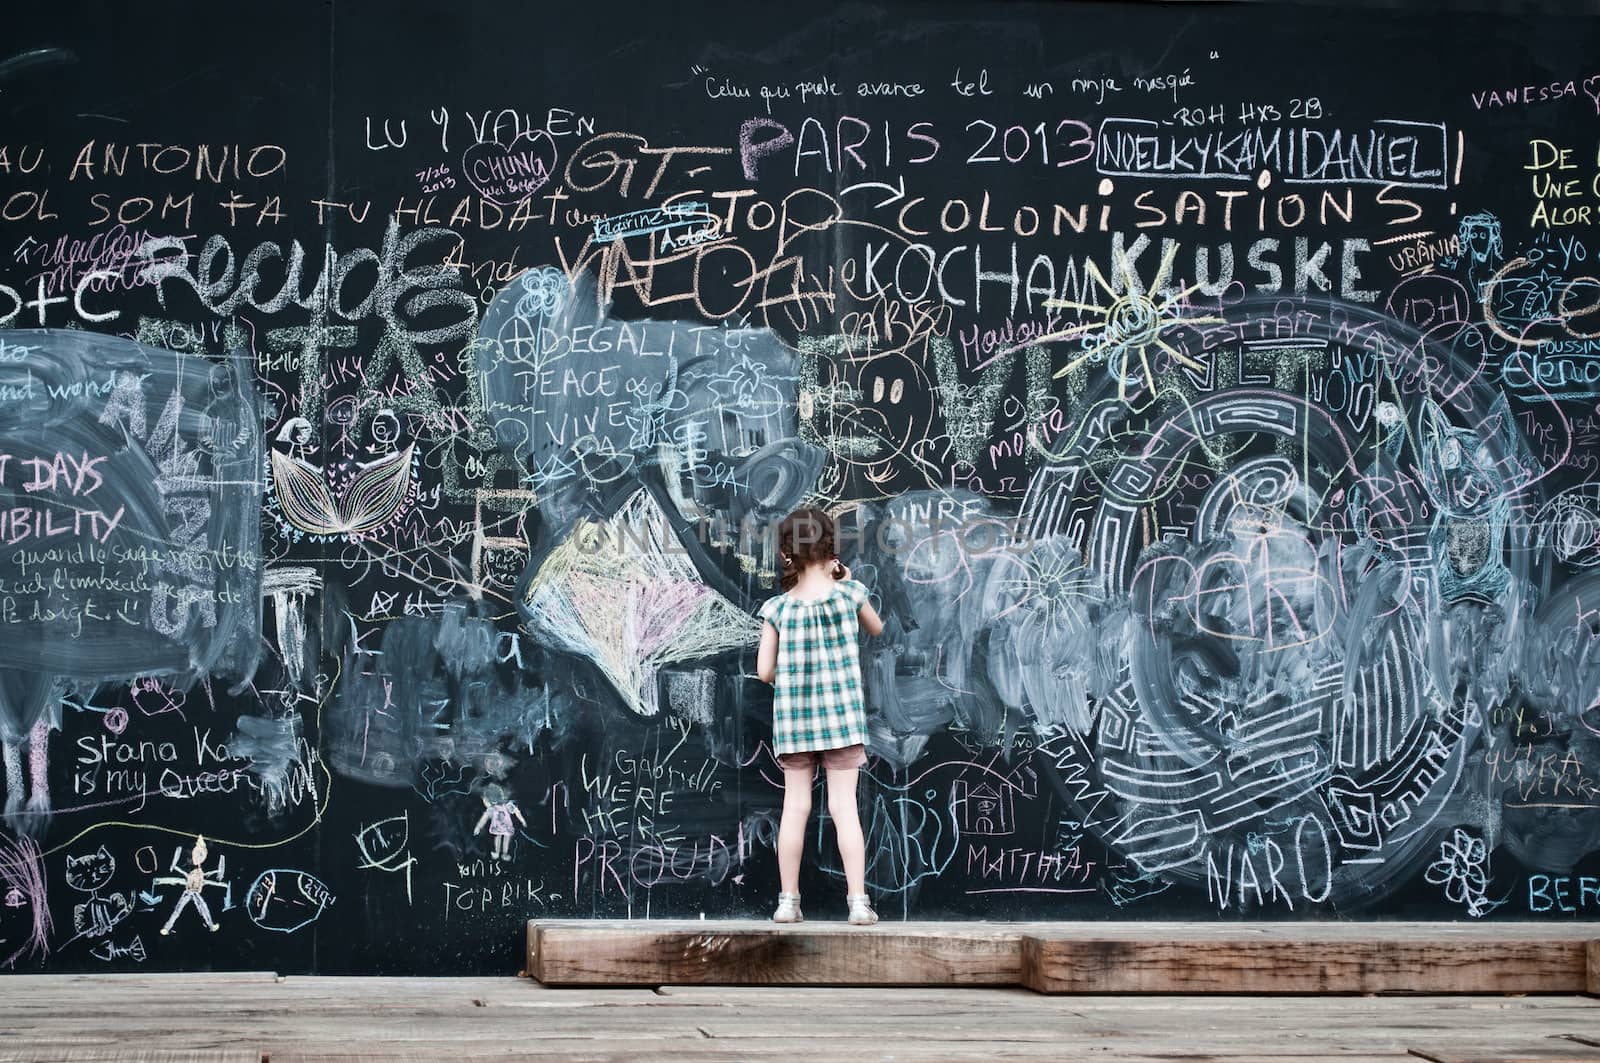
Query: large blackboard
x=393 y=398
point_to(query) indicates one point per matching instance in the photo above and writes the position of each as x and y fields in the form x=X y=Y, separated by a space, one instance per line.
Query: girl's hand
x=841 y=571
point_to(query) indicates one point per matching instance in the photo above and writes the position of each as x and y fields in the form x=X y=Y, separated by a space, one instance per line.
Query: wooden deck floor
x=245 y=1018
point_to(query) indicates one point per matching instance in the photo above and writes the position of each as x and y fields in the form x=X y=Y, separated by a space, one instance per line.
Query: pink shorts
x=832 y=759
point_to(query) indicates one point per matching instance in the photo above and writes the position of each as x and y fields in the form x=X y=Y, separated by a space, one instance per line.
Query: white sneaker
x=861 y=913
x=788 y=909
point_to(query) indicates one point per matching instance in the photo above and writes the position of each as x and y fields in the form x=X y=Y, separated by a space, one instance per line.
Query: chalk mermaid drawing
x=370 y=495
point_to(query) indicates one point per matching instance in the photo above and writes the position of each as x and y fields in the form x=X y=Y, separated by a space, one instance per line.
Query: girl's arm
x=515 y=811
x=767 y=657
x=482 y=820
x=866 y=616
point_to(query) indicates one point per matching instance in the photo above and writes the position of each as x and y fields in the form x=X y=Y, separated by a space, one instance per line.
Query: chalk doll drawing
x=498 y=809
x=194 y=881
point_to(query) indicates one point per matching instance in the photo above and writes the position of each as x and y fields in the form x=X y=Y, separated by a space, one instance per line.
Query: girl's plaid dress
x=817 y=700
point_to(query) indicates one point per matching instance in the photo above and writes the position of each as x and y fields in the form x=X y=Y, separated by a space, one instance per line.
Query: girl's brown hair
x=804 y=538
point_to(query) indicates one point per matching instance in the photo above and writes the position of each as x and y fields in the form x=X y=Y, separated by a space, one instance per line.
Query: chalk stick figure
x=498 y=809
x=193 y=881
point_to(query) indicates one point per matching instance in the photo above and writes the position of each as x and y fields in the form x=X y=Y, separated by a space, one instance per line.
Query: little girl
x=809 y=654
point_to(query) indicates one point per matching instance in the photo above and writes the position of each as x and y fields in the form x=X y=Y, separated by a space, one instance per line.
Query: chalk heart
x=507 y=173
x=1591 y=89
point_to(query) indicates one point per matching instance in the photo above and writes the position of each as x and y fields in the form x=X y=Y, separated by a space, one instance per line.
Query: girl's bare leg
x=847 y=826
x=792 y=828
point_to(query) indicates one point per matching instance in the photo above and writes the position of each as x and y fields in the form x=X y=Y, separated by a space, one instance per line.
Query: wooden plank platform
x=1075 y=958
x=1311 y=958
x=161 y=1019
x=748 y=952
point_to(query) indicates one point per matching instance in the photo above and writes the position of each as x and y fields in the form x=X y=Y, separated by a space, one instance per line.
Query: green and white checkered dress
x=817 y=700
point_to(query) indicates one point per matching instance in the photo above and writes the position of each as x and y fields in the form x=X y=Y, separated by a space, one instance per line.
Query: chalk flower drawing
x=624 y=595
x=1462 y=869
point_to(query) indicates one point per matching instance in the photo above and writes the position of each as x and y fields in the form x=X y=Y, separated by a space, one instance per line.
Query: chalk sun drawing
x=1123 y=333
x=623 y=594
